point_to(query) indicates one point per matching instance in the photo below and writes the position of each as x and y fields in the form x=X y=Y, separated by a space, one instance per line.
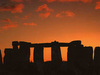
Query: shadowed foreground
x=80 y=61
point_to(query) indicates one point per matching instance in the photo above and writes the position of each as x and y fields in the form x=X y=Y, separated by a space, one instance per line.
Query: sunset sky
x=43 y=21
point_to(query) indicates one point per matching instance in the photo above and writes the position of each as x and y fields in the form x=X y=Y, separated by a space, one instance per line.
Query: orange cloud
x=65 y=13
x=16 y=0
x=23 y=18
x=48 y=0
x=9 y=26
x=84 y=1
x=17 y=8
x=44 y=8
x=97 y=5
x=6 y=20
x=44 y=15
x=46 y=11
x=27 y=16
x=30 y=24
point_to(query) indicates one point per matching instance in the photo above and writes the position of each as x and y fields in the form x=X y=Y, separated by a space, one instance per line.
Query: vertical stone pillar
x=38 y=54
x=74 y=51
x=97 y=56
x=9 y=56
x=97 y=60
x=88 y=52
x=15 y=52
x=24 y=52
x=0 y=63
x=56 y=52
x=80 y=56
x=0 y=58
x=15 y=45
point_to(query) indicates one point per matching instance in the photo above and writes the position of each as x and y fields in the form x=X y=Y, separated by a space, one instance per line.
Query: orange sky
x=43 y=21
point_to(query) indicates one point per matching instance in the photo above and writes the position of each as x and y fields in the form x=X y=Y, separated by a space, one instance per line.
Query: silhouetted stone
x=88 y=54
x=75 y=43
x=97 y=56
x=56 y=52
x=16 y=61
x=15 y=45
x=80 y=56
x=38 y=54
x=97 y=60
x=74 y=53
x=9 y=56
x=0 y=58
x=1 y=65
x=24 y=52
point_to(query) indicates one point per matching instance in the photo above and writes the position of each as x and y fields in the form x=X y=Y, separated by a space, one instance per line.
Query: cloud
x=19 y=1
x=6 y=20
x=49 y=1
x=44 y=8
x=46 y=11
x=9 y=26
x=16 y=0
x=17 y=8
x=84 y=1
x=97 y=5
x=23 y=18
x=44 y=15
x=30 y=24
x=65 y=14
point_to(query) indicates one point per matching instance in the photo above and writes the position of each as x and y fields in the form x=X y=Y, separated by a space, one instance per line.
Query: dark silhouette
x=55 y=52
x=38 y=54
x=80 y=59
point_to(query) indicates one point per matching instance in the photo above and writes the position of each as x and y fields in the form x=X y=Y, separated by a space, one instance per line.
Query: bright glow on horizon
x=64 y=53
x=47 y=54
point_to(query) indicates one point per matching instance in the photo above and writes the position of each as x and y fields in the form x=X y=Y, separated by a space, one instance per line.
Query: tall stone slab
x=97 y=60
x=38 y=54
x=97 y=56
x=75 y=43
x=56 y=52
x=9 y=56
x=80 y=56
x=0 y=58
x=87 y=54
x=15 y=45
x=24 y=52
x=74 y=53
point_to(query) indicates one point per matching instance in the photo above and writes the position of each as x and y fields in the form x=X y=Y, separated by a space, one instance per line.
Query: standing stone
x=38 y=54
x=97 y=60
x=97 y=56
x=24 y=52
x=56 y=52
x=9 y=56
x=15 y=45
x=0 y=58
x=80 y=56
